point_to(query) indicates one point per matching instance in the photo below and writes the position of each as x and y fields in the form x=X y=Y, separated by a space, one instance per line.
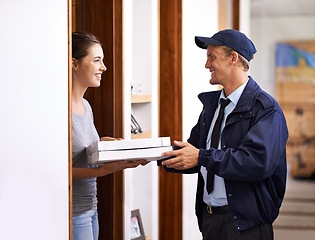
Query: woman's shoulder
x=86 y=103
x=88 y=107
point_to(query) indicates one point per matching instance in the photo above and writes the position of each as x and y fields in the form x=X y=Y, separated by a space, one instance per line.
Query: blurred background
x=284 y=35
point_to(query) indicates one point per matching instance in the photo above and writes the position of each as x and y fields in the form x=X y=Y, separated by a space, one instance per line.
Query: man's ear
x=75 y=64
x=234 y=56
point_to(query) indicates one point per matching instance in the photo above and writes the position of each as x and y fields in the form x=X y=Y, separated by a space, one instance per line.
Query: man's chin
x=213 y=81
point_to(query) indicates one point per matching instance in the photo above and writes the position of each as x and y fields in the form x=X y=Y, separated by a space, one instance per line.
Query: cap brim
x=203 y=42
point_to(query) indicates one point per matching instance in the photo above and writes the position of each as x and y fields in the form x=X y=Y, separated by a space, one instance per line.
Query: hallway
x=297 y=214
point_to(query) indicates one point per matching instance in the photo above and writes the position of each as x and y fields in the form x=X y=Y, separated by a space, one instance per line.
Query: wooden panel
x=236 y=14
x=146 y=134
x=72 y=14
x=141 y=98
x=223 y=20
x=170 y=114
x=104 y=20
x=118 y=68
x=71 y=9
x=223 y=14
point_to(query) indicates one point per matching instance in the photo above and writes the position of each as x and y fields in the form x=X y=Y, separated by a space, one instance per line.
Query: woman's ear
x=75 y=64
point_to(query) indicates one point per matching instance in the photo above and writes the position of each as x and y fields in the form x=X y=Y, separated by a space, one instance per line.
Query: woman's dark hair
x=81 y=42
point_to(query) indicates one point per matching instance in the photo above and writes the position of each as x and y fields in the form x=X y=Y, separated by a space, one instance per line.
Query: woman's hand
x=115 y=166
x=110 y=139
x=105 y=169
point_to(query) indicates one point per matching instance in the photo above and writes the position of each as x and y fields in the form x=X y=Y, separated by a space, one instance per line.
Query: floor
x=297 y=214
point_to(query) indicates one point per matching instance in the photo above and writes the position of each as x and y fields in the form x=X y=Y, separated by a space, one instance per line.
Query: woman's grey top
x=83 y=134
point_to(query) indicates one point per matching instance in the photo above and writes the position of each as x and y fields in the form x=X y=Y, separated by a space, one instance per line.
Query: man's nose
x=207 y=64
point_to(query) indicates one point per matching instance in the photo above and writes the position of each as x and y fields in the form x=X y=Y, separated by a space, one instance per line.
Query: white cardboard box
x=128 y=144
x=131 y=150
x=149 y=154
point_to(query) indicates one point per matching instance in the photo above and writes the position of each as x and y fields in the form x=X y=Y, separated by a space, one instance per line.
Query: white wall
x=200 y=18
x=245 y=17
x=141 y=70
x=275 y=23
x=33 y=123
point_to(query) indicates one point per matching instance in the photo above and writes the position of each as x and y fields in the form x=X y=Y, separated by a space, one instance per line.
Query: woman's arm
x=105 y=169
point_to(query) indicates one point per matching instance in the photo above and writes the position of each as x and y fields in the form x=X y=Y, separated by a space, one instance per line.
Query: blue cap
x=231 y=38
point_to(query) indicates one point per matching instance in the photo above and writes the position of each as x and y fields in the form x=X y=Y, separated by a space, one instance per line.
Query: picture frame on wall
x=295 y=74
x=136 y=231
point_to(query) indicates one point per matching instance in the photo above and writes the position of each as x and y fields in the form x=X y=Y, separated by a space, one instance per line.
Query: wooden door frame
x=223 y=13
x=70 y=116
x=170 y=115
x=236 y=14
x=104 y=20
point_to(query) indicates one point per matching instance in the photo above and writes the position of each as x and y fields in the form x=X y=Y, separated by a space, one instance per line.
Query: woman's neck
x=77 y=99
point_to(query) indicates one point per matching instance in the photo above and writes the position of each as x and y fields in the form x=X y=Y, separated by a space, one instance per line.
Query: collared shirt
x=218 y=196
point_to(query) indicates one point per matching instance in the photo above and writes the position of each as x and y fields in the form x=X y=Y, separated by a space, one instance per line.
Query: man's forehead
x=211 y=49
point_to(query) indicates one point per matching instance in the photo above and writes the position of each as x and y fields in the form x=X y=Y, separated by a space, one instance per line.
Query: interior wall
x=275 y=23
x=34 y=120
x=200 y=18
x=140 y=70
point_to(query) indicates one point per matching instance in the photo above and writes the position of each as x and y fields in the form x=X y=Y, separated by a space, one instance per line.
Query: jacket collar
x=252 y=89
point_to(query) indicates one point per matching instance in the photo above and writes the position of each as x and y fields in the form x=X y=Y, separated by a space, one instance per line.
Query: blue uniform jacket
x=252 y=160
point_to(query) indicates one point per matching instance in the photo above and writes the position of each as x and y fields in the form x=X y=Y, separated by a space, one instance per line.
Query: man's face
x=217 y=64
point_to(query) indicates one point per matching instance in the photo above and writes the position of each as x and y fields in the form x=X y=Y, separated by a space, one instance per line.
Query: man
x=241 y=164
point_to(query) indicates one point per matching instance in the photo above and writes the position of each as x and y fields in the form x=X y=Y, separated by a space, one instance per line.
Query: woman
x=87 y=69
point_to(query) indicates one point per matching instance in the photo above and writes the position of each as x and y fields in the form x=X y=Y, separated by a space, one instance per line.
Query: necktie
x=215 y=136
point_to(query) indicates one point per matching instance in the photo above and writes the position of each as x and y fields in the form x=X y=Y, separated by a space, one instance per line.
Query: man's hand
x=186 y=158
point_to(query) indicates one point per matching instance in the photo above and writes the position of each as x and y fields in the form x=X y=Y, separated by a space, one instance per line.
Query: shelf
x=146 y=134
x=141 y=98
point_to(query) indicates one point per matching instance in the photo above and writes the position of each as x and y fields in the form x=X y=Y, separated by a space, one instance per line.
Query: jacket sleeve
x=194 y=140
x=256 y=156
x=187 y=171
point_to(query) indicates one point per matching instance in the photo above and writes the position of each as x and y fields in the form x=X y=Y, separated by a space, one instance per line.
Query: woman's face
x=90 y=68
